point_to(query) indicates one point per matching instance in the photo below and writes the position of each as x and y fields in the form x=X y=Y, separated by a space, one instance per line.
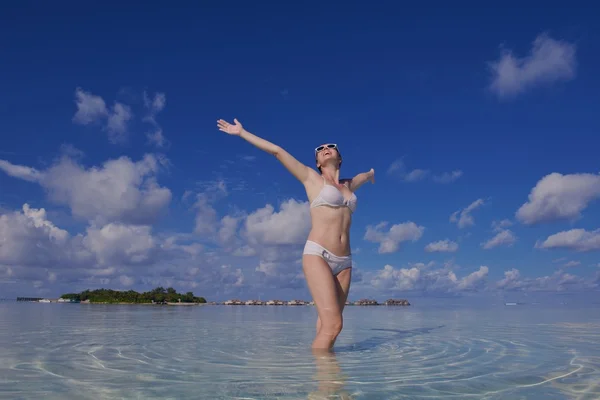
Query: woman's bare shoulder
x=314 y=183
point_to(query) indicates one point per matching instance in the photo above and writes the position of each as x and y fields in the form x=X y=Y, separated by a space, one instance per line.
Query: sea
x=92 y=351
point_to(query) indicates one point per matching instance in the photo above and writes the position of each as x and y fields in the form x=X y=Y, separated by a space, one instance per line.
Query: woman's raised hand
x=372 y=175
x=230 y=129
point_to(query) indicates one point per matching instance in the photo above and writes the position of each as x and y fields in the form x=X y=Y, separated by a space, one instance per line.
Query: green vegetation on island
x=158 y=295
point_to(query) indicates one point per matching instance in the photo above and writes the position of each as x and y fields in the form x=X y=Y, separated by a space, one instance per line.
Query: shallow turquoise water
x=58 y=351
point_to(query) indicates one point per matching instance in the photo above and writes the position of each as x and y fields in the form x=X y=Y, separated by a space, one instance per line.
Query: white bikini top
x=333 y=197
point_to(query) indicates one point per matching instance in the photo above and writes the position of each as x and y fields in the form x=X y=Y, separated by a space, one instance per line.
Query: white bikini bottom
x=336 y=263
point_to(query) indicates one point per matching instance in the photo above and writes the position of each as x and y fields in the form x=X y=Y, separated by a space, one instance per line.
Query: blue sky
x=481 y=128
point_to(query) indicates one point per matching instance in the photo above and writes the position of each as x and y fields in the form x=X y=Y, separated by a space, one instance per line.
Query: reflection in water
x=329 y=377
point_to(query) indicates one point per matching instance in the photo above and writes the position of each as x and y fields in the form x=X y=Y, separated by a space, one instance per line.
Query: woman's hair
x=339 y=155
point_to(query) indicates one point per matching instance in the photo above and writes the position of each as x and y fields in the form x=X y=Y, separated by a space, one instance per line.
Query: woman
x=326 y=260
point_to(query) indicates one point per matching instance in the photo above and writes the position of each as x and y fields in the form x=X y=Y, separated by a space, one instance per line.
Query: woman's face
x=325 y=152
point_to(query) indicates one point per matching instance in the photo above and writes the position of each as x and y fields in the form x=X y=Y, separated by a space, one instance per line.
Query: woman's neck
x=331 y=173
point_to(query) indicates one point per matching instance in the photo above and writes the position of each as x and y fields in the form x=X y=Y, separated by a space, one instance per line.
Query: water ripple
x=213 y=352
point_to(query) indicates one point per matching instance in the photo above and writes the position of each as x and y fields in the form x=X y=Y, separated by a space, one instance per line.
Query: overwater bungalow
x=61 y=300
x=396 y=302
x=366 y=302
x=296 y=303
x=254 y=303
x=233 y=302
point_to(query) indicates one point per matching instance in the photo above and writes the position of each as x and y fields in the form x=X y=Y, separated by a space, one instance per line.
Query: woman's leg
x=342 y=281
x=323 y=288
x=329 y=377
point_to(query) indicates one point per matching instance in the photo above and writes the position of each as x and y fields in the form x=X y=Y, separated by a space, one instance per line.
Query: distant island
x=159 y=295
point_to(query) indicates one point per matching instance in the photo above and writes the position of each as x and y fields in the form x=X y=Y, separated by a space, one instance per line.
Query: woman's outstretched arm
x=296 y=168
x=361 y=179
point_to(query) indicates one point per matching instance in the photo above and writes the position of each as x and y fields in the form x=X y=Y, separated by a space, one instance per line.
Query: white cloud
x=503 y=236
x=289 y=226
x=206 y=217
x=440 y=246
x=207 y=223
x=120 y=244
x=228 y=229
x=244 y=251
x=421 y=279
x=157 y=138
x=268 y=268
x=498 y=226
x=274 y=238
x=29 y=238
x=20 y=171
x=389 y=242
x=279 y=266
x=463 y=218
x=559 y=197
x=6 y=273
x=38 y=219
x=126 y=280
x=230 y=276
x=448 y=177
x=549 y=61
x=35 y=252
x=117 y=123
x=153 y=107
x=571 y=264
x=416 y=175
x=574 y=239
x=399 y=170
x=67 y=149
x=511 y=280
x=400 y=279
x=558 y=281
x=118 y=191
x=475 y=280
x=92 y=109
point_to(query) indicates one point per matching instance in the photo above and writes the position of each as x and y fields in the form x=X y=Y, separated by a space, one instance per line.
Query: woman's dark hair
x=339 y=155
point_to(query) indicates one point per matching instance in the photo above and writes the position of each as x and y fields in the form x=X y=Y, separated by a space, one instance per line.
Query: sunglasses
x=327 y=146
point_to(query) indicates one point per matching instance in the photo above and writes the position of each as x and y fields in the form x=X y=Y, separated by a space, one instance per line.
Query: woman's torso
x=331 y=215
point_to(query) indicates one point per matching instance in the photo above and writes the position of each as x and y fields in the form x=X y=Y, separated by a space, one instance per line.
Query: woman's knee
x=332 y=325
